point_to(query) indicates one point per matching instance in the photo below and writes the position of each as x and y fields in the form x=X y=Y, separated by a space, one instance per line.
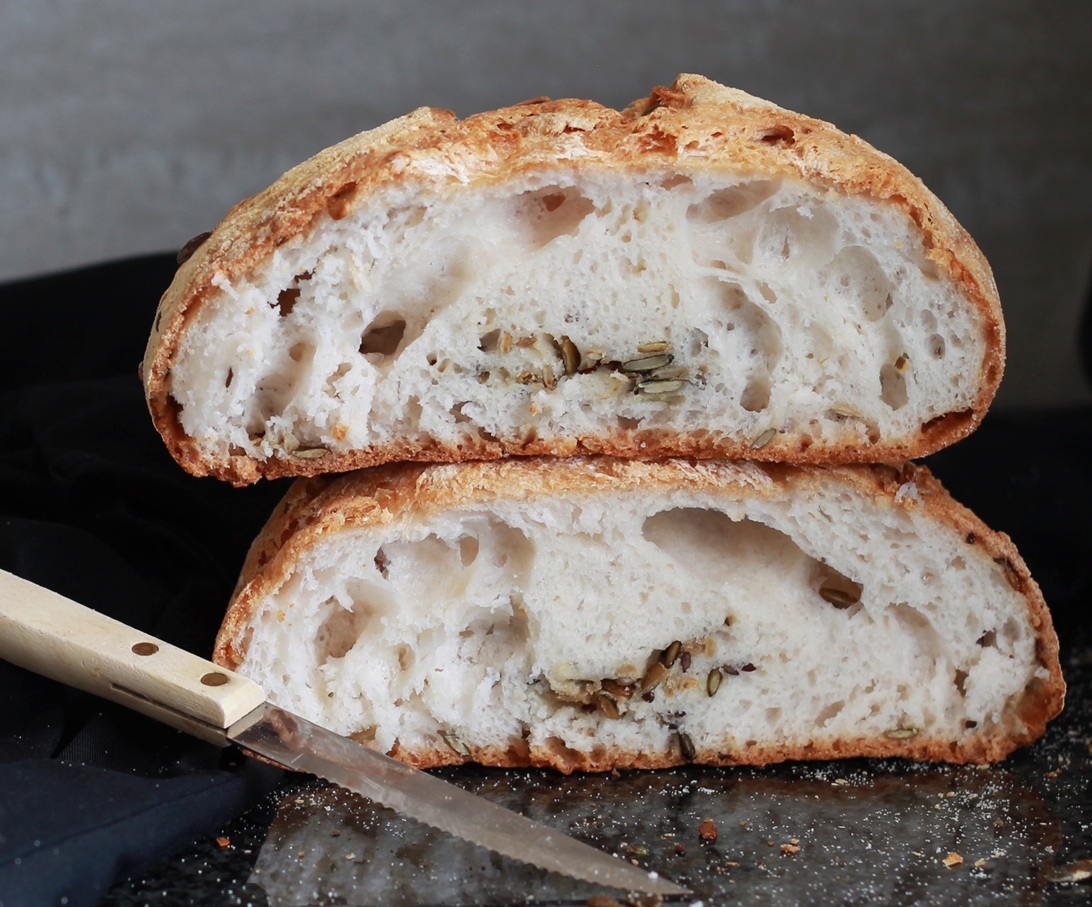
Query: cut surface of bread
x=593 y=613
x=704 y=273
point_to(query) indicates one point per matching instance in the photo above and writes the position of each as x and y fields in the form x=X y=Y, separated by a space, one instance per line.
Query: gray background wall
x=127 y=126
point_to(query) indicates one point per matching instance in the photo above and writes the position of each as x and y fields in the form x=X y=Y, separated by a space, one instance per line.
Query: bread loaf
x=701 y=274
x=592 y=613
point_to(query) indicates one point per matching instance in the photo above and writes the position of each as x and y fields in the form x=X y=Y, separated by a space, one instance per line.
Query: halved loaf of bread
x=703 y=274
x=591 y=613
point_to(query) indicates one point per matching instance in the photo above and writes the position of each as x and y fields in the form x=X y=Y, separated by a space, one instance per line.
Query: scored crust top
x=695 y=124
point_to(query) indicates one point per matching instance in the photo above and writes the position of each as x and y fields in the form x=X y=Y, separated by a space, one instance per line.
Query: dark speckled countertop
x=852 y=832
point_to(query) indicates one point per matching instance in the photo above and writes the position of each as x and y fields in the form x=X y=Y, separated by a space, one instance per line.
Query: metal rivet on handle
x=214 y=679
x=145 y=648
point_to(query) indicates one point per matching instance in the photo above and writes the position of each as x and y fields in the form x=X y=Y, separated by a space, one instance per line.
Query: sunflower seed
x=647 y=364
x=901 y=733
x=617 y=689
x=844 y=410
x=310 y=453
x=732 y=670
x=712 y=682
x=456 y=744
x=608 y=706
x=670 y=372
x=841 y=597
x=186 y=252
x=684 y=661
x=653 y=677
x=653 y=346
x=671 y=653
x=570 y=355
x=765 y=438
x=655 y=386
x=686 y=745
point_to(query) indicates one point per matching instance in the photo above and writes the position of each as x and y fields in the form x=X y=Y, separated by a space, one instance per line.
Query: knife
x=52 y=635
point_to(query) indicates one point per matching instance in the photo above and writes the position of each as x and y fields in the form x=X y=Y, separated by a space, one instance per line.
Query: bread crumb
x=952 y=860
x=789 y=848
x=708 y=830
x=601 y=900
x=223 y=842
x=907 y=494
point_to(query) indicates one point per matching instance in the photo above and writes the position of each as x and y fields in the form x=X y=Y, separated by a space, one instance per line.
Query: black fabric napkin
x=92 y=506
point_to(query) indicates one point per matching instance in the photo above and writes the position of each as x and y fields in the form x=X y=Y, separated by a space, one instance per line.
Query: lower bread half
x=593 y=613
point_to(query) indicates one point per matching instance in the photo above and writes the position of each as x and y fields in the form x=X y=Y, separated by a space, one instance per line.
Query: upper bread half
x=703 y=273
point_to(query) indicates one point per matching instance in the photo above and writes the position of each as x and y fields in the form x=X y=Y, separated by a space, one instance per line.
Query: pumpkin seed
x=570 y=355
x=671 y=653
x=901 y=733
x=841 y=597
x=647 y=364
x=765 y=438
x=653 y=346
x=656 y=386
x=712 y=682
x=653 y=677
x=686 y=745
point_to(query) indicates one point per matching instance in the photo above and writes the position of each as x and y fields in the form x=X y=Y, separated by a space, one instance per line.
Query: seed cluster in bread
x=703 y=274
x=658 y=310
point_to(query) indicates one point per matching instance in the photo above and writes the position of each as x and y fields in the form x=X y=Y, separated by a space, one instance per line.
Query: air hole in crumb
x=677 y=180
x=858 y=280
x=893 y=387
x=545 y=214
x=286 y=300
x=711 y=544
x=961 y=682
x=297 y=351
x=837 y=589
x=468 y=550
x=382 y=563
x=340 y=631
x=731 y=202
x=778 y=135
x=936 y=346
x=829 y=712
x=383 y=335
x=756 y=395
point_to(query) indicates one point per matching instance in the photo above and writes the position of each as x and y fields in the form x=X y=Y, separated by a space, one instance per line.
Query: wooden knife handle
x=51 y=635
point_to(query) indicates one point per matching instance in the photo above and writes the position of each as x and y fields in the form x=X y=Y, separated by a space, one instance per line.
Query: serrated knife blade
x=54 y=636
x=299 y=744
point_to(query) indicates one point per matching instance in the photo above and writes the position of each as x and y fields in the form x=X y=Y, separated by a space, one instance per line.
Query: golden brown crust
x=693 y=125
x=315 y=507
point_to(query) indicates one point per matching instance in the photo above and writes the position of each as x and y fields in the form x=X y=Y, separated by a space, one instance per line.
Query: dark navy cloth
x=92 y=506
